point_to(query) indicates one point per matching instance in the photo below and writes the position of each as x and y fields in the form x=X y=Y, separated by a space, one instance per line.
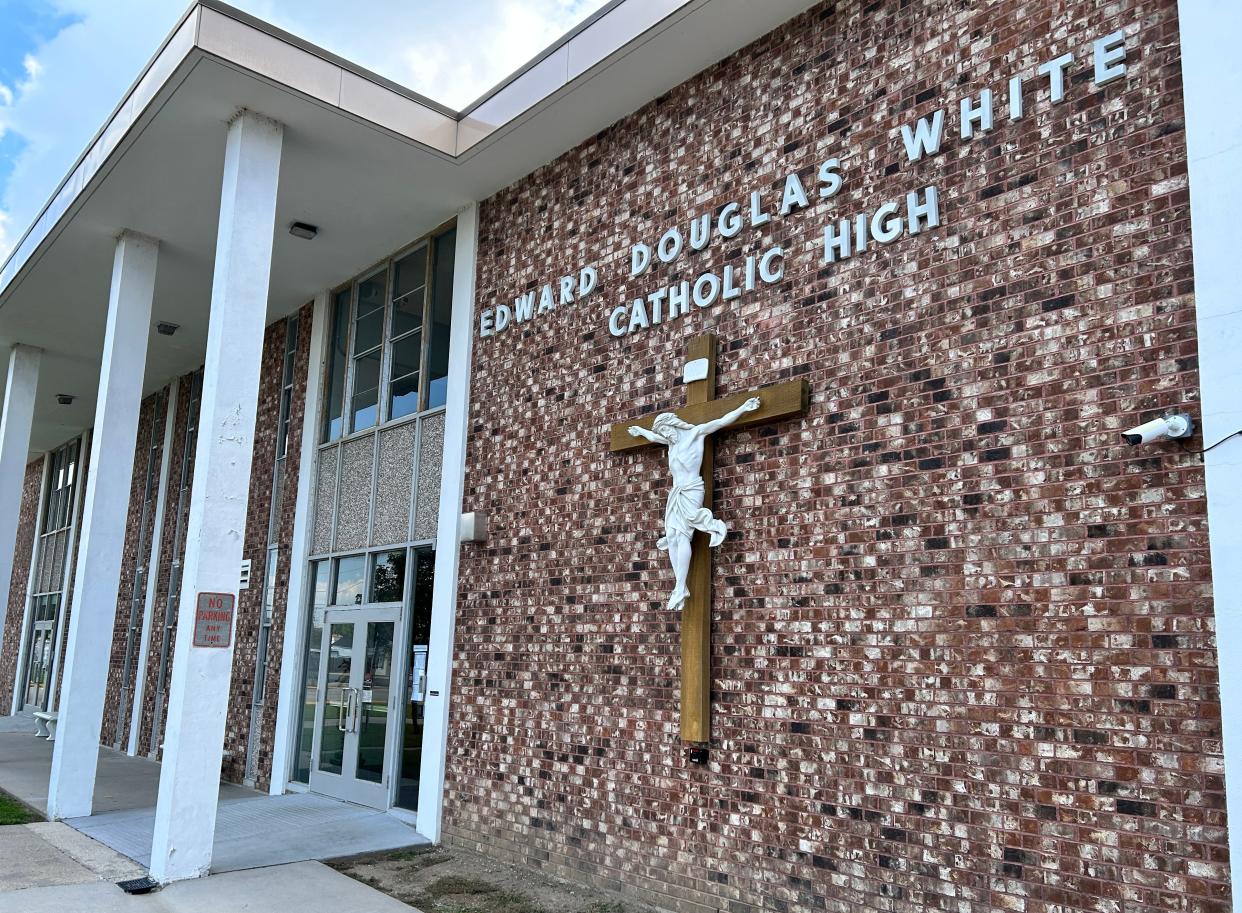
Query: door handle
x=357 y=701
x=343 y=706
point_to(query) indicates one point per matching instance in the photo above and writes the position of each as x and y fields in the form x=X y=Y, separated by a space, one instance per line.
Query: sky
x=65 y=64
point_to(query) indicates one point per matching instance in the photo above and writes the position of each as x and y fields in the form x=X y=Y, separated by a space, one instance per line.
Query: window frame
x=427 y=244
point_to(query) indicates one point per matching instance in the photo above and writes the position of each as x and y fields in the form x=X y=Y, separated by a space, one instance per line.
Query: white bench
x=45 y=723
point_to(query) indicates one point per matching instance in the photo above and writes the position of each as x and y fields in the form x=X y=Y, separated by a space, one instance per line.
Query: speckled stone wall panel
x=394 y=484
x=963 y=653
x=23 y=549
x=353 y=507
x=325 y=498
x=430 y=453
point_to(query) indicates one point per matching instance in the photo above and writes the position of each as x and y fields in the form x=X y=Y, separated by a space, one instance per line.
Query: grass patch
x=14 y=812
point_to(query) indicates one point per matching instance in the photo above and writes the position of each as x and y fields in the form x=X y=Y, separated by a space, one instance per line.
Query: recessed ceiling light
x=303 y=230
x=164 y=328
x=65 y=399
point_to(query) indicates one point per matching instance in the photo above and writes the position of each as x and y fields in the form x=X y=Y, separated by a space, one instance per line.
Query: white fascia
x=1211 y=36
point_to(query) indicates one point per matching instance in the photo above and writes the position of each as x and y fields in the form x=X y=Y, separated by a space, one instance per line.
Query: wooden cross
x=778 y=401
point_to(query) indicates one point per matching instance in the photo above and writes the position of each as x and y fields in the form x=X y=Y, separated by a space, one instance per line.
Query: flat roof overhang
x=374 y=165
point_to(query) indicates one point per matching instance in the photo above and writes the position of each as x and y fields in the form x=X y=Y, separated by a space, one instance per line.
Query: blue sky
x=64 y=64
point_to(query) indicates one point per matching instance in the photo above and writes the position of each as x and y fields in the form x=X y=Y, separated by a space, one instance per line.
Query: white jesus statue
x=684 y=512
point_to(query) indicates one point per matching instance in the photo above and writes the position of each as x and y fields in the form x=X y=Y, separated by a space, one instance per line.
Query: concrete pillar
x=102 y=536
x=1211 y=33
x=19 y=402
x=185 y=815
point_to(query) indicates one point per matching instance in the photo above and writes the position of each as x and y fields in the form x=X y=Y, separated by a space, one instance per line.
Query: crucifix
x=690 y=529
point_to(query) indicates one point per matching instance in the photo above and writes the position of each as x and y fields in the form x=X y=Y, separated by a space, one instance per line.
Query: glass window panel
x=373 y=701
x=320 y=578
x=420 y=634
x=368 y=330
x=403 y=396
x=406 y=353
x=349 y=580
x=388 y=576
x=410 y=273
x=337 y=696
x=306 y=727
x=441 y=319
x=363 y=410
x=407 y=315
x=319 y=586
x=371 y=292
x=338 y=360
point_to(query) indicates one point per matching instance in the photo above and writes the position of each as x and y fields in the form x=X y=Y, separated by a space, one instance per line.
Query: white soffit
x=373 y=164
x=706 y=30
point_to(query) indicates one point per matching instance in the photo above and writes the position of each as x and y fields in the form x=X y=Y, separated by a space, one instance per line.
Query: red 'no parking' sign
x=213 y=620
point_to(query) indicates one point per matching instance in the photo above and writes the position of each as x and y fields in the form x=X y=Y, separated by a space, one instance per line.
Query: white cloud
x=450 y=52
x=33 y=68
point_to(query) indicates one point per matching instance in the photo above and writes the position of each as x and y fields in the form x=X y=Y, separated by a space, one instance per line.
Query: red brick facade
x=116 y=715
x=963 y=637
x=115 y=729
x=10 y=637
x=249 y=604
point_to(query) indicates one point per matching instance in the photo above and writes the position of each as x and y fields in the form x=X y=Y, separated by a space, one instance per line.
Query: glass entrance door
x=39 y=666
x=356 y=701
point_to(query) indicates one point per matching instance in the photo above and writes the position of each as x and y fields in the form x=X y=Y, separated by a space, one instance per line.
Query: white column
x=19 y=403
x=293 y=651
x=185 y=814
x=104 y=515
x=1211 y=35
x=448 y=540
x=153 y=568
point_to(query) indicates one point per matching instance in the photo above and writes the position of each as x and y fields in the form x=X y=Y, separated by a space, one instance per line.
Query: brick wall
x=963 y=652
x=249 y=606
x=147 y=743
x=11 y=635
x=139 y=528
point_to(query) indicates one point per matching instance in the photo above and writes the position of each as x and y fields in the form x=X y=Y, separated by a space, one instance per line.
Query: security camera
x=1158 y=429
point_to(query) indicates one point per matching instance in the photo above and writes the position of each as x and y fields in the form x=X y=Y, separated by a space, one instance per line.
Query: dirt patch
x=436 y=880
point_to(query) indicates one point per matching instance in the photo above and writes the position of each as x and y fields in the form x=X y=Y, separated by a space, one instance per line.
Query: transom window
x=389 y=340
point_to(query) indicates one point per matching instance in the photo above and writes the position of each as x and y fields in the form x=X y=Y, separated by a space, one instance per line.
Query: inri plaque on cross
x=690 y=528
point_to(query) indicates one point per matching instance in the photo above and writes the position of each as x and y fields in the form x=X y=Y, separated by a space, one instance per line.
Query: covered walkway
x=253 y=829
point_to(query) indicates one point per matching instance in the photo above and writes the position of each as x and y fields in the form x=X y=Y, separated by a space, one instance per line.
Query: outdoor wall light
x=65 y=399
x=164 y=328
x=303 y=230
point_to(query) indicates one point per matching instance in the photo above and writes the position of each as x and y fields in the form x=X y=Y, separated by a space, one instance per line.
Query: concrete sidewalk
x=307 y=887
x=122 y=783
x=253 y=829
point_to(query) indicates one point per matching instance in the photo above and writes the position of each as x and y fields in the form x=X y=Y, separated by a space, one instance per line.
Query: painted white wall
x=292 y=653
x=153 y=568
x=452 y=483
x=19 y=405
x=185 y=812
x=1211 y=38
x=106 y=509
